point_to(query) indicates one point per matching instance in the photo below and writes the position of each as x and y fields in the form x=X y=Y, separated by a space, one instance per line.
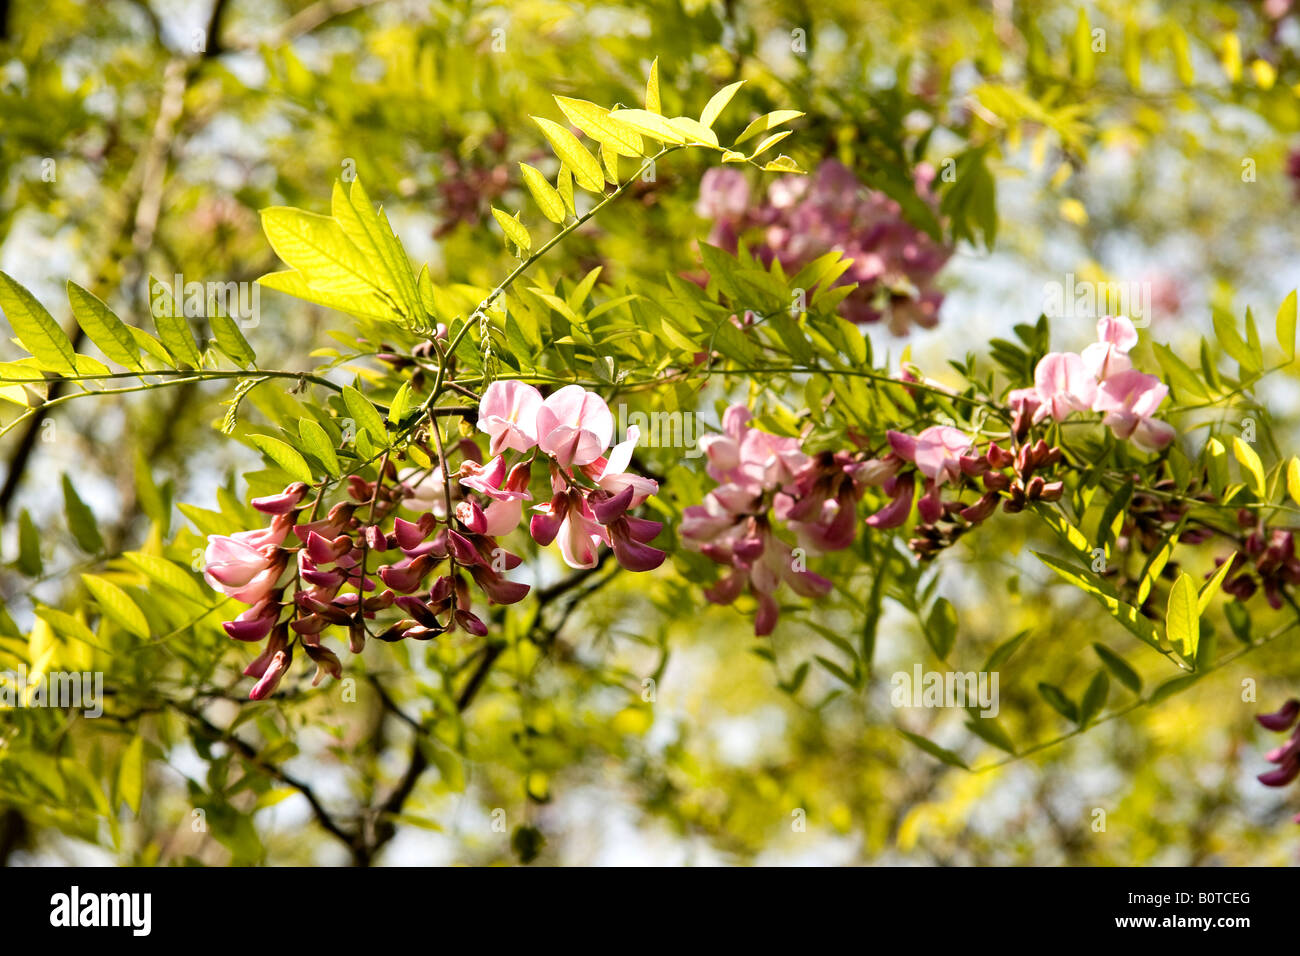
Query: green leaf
x=941 y=628
x=316 y=442
x=514 y=229
x=130 y=775
x=117 y=605
x=1252 y=467
x=29 y=546
x=718 y=102
x=584 y=166
x=1094 y=698
x=365 y=415
x=283 y=455
x=1183 y=618
x=1002 y=653
x=1286 y=325
x=172 y=325
x=231 y=341
x=36 y=329
x=104 y=328
x=81 y=520
x=1123 y=672
x=1185 y=382
x=1171 y=687
x=766 y=123
x=400 y=405
x=546 y=196
x=934 y=750
x=1058 y=701
x=989 y=730
x=1225 y=329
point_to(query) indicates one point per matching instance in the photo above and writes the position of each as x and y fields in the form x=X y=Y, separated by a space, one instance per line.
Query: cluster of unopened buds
x=453 y=526
x=943 y=455
x=1100 y=379
x=1287 y=756
x=1266 y=560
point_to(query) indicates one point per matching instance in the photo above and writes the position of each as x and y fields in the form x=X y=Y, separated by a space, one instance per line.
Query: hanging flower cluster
x=1101 y=379
x=803 y=217
x=591 y=495
x=763 y=479
x=331 y=583
x=1287 y=756
x=452 y=532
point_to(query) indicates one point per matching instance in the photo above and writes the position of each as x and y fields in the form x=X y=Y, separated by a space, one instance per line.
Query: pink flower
x=611 y=473
x=508 y=413
x=937 y=452
x=1109 y=354
x=1064 y=385
x=568 y=517
x=282 y=503
x=574 y=426
x=1129 y=399
x=245 y=565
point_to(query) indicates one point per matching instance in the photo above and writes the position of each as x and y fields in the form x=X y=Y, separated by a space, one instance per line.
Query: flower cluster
x=1100 y=379
x=452 y=529
x=332 y=585
x=801 y=218
x=1287 y=756
x=762 y=477
x=591 y=494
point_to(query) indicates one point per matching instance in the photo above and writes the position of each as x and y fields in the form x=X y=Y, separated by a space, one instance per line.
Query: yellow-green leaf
x=1251 y=466
x=547 y=197
x=651 y=124
x=596 y=122
x=316 y=441
x=767 y=122
x=584 y=166
x=652 y=88
x=513 y=228
x=130 y=775
x=1183 y=617
x=718 y=102
x=284 y=456
x=103 y=327
x=1286 y=323
x=36 y=329
x=564 y=186
x=117 y=605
